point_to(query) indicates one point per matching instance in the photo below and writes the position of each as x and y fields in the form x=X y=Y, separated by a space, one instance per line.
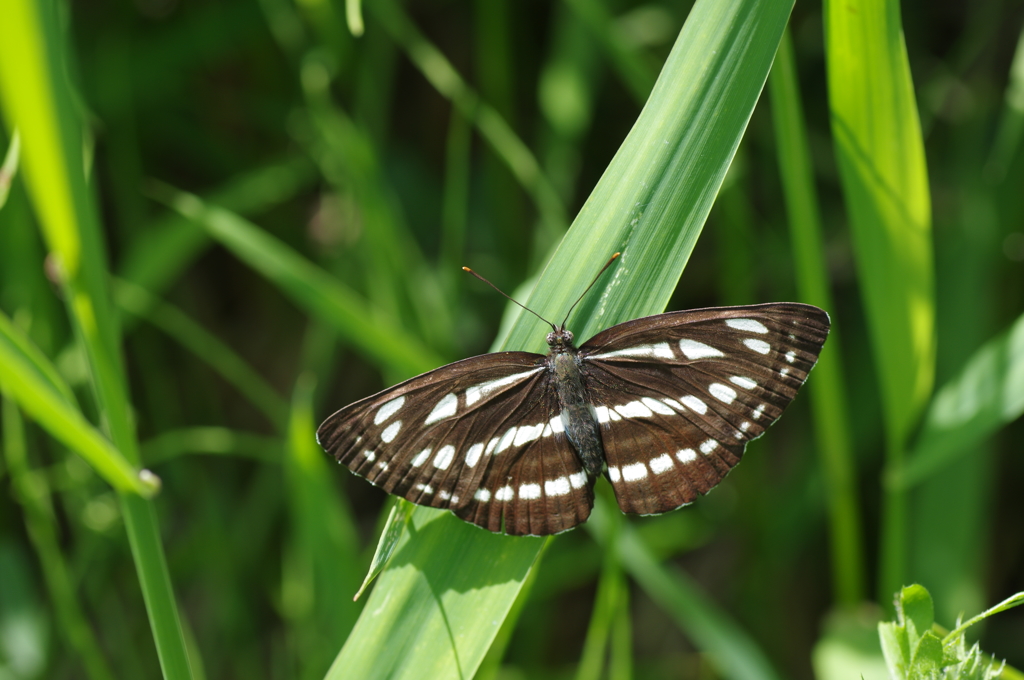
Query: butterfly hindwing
x=679 y=395
x=475 y=437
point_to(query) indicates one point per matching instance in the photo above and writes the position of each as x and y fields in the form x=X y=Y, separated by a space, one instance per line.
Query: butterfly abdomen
x=577 y=413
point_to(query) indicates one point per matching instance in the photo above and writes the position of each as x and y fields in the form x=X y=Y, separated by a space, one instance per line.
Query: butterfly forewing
x=679 y=395
x=477 y=437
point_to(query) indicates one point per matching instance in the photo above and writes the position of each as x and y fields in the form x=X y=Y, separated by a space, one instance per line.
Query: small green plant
x=916 y=648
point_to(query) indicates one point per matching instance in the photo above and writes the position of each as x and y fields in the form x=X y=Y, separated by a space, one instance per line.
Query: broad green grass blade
x=436 y=608
x=37 y=100
x=987 y=394
x=881 y=160
x=729 y=649
x=310 y=287
x=827 y=391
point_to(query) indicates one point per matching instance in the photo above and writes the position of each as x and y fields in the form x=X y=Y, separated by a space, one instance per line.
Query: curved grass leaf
x=436 y=608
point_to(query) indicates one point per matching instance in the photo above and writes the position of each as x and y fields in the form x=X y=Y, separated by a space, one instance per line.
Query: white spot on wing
x=613 y=473
x=748 y=325
x=657 y=406
x=557 y=487
x=759 y=346
x=388 y=409
x=425 y=488
x=634 y=409
x=528 y=433
x=473 y=454
x=685 y=456
x=674 y=404
x=504 y=494
x=482 y=495
x=661 y=464
x=478 y=392
x=444 y=457
x=529 y=491
x=698 y=350
x=694 y=404
x=634 y=472
x=758 y=412
x=708 y=446
x=445 y=408
x=490 y=446
x=722 y=393
x=420 y=458
x=370 y=455
x=443 y=495
x=506 y=440
x=743 y=381
x=659 y=351
x=557 y=427
x=391 y=431
x=746 y=425
x=790 y=356
x=578 y=479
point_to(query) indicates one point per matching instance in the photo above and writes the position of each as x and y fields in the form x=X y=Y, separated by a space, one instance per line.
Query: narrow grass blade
x=219 y=441
x=10 y=167
x=881 y=161
x=36 y=99
x=310 y=287
x=987 y=394
x=38 y=389
x=730 y=650
x=40 y=524
x=436 y=608
x=828 y=391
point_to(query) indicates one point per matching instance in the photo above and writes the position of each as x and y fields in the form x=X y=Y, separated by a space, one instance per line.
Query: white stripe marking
x=694 y=404
x=482 y=495
x=557 y=487
x=791 y=356
x=708 y=446
x=528 y=433
x=661 y=464
x=759 y=346
x=748 y=325
x=505 y=493
x=743 y=381
x=490 y=446
x=634 y=409
x=370 y=455
x=478 y=392
x=698 y=350
x=556 y=424
x=722 y=393
x=391 y=431
x=634 y=472
x=659 y=351
x=613 y=473
x=444 y=457
x=657 y=406
x=758 y=411
x=578 y=479
x=445 y=408
x=420 y=458
x=674 y=404
x=388 y=409
x=473 y=454
x=529 y=491
x=506 y=440
x=686 y=456
x=425 y=488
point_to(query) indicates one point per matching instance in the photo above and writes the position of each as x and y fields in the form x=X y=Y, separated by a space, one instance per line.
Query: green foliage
x=915 y=650
x=221 y=221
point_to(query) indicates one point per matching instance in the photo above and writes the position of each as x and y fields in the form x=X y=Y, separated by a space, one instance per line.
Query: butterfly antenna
x=467 y=269
x=606 y=265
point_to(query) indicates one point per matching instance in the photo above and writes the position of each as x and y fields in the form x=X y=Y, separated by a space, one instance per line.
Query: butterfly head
x=560 y=340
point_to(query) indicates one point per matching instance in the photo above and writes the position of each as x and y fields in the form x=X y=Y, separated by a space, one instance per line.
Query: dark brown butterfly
x=663 y=406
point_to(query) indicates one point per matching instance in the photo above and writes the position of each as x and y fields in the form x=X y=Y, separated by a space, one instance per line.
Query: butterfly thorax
x=577 y=413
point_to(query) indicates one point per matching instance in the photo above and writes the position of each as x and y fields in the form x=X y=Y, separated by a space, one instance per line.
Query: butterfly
x=662 y=406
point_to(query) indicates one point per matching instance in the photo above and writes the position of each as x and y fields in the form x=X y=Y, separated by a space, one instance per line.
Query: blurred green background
x=349 y=154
